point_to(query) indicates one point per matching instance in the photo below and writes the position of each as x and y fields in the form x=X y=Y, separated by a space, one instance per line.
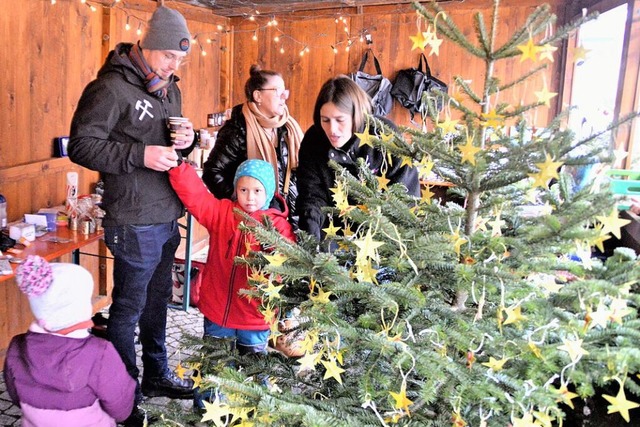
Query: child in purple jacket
x=57 y=372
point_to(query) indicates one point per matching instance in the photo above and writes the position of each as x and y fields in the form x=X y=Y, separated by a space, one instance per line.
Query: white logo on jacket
x=144 y=108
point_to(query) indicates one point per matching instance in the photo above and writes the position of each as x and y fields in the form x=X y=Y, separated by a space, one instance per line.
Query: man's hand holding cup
x=181 y=132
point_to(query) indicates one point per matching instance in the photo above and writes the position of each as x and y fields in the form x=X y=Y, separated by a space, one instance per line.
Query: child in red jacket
x=228 y=314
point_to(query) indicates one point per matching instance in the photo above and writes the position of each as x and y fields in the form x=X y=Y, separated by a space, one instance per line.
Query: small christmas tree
x=490 y=312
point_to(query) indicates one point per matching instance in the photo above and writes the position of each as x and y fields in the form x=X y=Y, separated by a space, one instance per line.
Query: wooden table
x=55 y=244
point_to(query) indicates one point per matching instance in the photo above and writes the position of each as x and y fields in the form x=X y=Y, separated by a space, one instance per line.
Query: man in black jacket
x=120 y=129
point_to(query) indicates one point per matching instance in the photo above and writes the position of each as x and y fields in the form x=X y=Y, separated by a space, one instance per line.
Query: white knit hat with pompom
x=59 y=293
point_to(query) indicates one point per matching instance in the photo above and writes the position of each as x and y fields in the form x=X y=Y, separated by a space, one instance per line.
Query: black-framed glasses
x=280 y=92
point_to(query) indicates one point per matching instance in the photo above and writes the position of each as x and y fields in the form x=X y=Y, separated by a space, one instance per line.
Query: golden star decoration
x=543 y=419
x=270 y=316
x=600 y=317
x=272 y=291
x=529 y=51
x=180 y=370
x=406 y=161
x=544 y=96
x=457 y=240
x=566 y=396
x=612 y=223
x=619 y=156
x=496 y=225
x=546 y=51
x=480 y=224
x=364 y=271
x=216 y=412
x=448 y=125
x=332 y=230
x=619 y=310
x=419 y=41
x=277 y=259
x=434 y=44
x=332 y=370
x=309 y=361
x=321 y=297
x=426 y=194
x=549 y=168
x=525 y=421
x=534 y=349
x=580 y=53
x=514 y=315
x=383 y=182
x=365 y=137
x=494 y=364
x=368 y=247
x=619 y=403
x=425 y=167
x=598 y=241
x=469 y=151
x=196 y=376
x=493 y=119
x=574 y=348
x=401 y=400
x=339 y=196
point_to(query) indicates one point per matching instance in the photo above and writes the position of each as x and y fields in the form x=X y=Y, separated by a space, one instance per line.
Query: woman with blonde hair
x=260 y=128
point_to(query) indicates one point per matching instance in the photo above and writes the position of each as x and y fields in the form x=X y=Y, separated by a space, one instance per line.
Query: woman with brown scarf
x=259 y=128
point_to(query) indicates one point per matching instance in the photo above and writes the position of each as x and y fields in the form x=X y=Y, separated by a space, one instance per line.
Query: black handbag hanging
x=412 y=83
x=377 y=86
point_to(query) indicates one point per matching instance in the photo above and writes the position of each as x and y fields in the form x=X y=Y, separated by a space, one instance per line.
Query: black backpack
x=377 y=86
x=412 y=83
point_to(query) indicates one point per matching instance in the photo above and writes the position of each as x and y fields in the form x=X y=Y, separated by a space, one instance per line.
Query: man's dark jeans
x=143 y=259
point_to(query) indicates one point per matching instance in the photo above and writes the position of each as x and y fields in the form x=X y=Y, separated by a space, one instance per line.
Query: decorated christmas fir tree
x=488 y=310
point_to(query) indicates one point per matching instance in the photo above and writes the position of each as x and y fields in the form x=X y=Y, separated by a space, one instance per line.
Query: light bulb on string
x=334 y=49
x=281 y=49
x=139 y=30
x=127 y=26
x=276 y=39
x=254 y=37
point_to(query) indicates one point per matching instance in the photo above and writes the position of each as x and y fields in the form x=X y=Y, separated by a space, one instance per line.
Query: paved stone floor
x=179 y=322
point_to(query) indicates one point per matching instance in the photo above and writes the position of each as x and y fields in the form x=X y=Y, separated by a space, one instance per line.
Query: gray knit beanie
x=167 y=30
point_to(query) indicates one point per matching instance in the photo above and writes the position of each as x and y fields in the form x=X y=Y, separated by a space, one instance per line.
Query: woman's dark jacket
x=316 y=177
x=230 y=150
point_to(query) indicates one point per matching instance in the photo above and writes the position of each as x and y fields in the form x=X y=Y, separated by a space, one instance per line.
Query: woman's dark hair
x=257 y=79
x=348 y=97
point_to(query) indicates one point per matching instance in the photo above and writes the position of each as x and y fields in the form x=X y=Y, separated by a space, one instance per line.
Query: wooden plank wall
x=390 y=28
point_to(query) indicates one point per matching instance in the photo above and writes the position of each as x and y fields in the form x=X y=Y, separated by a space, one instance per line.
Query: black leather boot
x=168 y=385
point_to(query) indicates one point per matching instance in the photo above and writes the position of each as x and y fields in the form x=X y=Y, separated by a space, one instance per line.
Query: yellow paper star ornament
x=419 y=41
x=494 y=364
x=612 y=223
x=332 y=230
x=332 y=370
x=546 y=52
x=574 y=348
x=529 y=51
x=469 y=151
x=544 y=96
x=401 y=400
x=619 y=403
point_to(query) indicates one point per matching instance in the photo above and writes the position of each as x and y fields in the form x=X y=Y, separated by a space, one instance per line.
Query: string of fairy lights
x=265 y=24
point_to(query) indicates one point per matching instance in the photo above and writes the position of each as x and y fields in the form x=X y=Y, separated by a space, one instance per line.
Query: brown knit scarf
x=259 y=146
